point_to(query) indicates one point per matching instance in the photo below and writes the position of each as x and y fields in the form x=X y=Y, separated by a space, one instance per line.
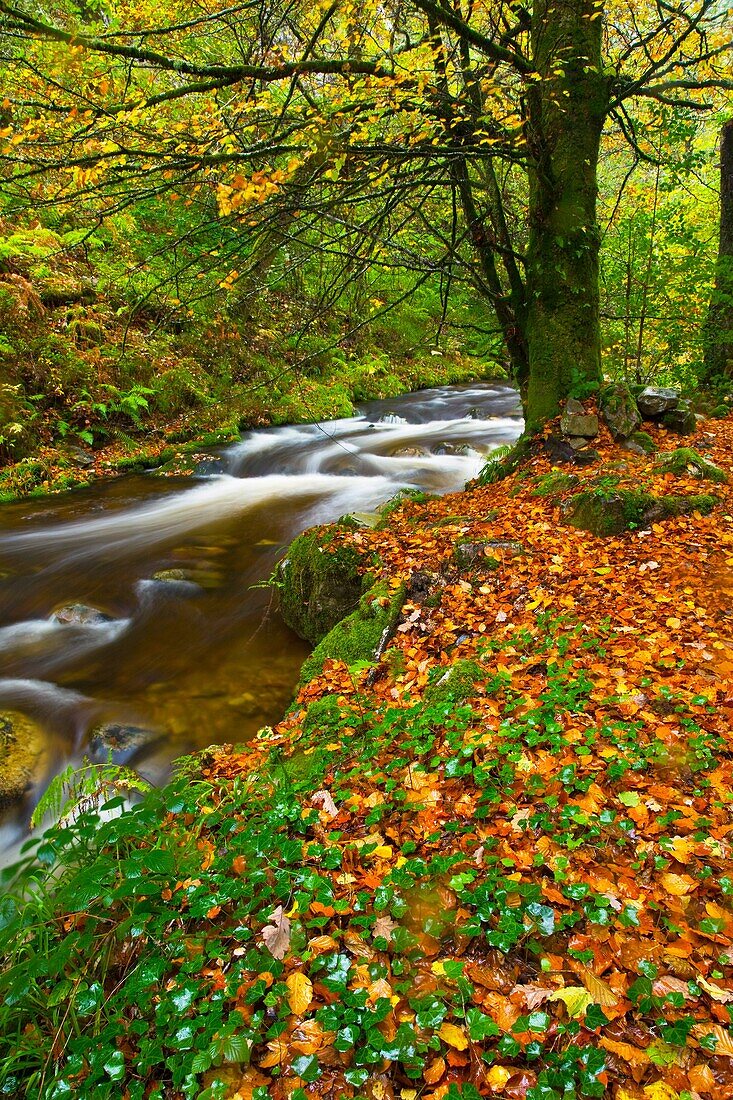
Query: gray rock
x=560 y=450
x=577 y=422
x=633 y=447
x=681 y=420
x=21 y=749
x=122 y=741
x=655 y=401
x=619 y=410
x=81 y=615
x=209 y=467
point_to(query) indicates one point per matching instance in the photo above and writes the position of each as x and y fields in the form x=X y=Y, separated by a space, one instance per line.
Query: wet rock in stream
x=123 y=742
x=21 y=751
x=80 y=614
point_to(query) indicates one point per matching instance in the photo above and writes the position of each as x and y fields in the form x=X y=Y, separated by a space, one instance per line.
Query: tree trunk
x=566 y=110
x=718 y=336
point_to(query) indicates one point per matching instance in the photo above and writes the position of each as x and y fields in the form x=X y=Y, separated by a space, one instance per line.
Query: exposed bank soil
x=540 y=849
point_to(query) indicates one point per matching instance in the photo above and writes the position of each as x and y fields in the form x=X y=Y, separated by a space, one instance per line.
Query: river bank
x=140 y=601
x=176 y=443
x=495 y=860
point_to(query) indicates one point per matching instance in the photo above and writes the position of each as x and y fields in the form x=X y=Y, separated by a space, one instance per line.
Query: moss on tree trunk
x=567 y=106
x=718 y=336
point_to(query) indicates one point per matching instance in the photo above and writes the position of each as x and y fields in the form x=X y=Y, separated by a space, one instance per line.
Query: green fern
x=493 y=465
x=77 y=789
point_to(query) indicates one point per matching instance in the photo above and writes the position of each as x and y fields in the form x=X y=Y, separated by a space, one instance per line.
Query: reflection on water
x=197 y=656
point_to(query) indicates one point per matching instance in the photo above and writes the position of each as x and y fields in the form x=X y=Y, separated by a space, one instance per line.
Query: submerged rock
x=122 y=741
x=654 y=401
x=21 y=749
x=81 y=615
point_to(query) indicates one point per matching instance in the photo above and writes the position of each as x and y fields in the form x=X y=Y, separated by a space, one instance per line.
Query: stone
x=575 y=421
x=80 y=614
x=619 y=410
x=209 y=467
x=408 y=452
x=655 y=401
x=681 y=421
x=633 y=447
x=122 y=741
x=474 y=554
x=173 y=576
x=22 y=744
x=606 y=513
x=644 y=441
x=320 y=580
x=686 y=462
x=560 y=450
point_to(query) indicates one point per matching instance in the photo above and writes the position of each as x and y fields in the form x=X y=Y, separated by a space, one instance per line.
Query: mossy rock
x=681 y=421
x=456 y=685
x=320 y=580
x=619 y=410
x=554 y=484
x=610 y=513
x=322 y=714
x=645 y=441
x=686 y=462
x=21 y=749
x=357 y=637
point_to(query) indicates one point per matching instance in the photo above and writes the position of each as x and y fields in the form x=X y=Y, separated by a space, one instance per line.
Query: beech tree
x=719 y=327
x=287 y=111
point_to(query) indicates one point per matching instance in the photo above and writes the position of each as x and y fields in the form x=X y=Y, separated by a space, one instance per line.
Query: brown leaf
x=724 y=1040
x=627 y=1051
x=277 y=935
x=599 y=990
x=434 y=1071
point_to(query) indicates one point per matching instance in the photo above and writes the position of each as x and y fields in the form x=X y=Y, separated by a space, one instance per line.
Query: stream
x=206 y=659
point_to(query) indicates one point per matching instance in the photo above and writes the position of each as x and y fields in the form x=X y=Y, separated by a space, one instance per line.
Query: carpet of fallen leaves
x=546 y=862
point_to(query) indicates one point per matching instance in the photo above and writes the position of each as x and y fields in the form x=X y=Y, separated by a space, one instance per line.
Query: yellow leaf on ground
x=300 y=992
x=453 y=1036
x=627 y=1051
x=498 y=1077
x=677 y=885
x=575 y=998
x=660 y=1091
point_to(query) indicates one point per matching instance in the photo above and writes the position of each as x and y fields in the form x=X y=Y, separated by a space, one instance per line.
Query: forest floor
x=497 y=862
x=522 y=835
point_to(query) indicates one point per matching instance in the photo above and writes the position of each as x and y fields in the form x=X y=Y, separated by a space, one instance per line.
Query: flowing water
x=206 y=659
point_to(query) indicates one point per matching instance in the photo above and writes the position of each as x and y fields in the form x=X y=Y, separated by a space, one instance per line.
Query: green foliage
x=78 y=789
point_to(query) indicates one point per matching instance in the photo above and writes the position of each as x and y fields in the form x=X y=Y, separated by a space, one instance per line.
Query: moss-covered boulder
x=456 y=685
x=686 y=462
x=619 y=410
x=609 y=513
x=644 y=442
x=21 y=752
x=320 y=581
x=682 y=420
x=358 y=636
